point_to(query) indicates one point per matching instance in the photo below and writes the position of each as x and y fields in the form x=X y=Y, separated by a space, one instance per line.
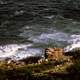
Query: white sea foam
x=11 y=49
x=28 y=52
x=71 y=47
x=74 y=43
x=46 y=37
x=20 y=51
x=72 y=40
x=49 y=17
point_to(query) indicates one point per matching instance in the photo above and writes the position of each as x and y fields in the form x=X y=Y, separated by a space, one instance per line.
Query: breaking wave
x=20 y=51
x=45 y=37
x=74 y=43
x=72 y=40
x=39 y=24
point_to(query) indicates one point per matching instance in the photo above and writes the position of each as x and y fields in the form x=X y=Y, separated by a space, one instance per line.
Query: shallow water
x=28 y=27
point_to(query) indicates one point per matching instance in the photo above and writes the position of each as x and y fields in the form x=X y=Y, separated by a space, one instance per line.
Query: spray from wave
x=74 y=41
x=20 y=51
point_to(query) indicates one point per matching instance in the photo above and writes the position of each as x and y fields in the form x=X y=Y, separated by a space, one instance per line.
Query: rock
x=40 y=61
x=53 y=53
x=58 y=66
x=30 y=60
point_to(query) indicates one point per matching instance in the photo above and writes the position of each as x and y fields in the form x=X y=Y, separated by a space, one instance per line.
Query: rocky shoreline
x=50 y=69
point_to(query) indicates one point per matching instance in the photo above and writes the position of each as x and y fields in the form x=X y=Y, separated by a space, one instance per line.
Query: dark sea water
x=27 y=27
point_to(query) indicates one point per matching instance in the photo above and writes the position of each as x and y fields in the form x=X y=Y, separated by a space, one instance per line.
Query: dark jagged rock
x=74 y=52
x=30 y=60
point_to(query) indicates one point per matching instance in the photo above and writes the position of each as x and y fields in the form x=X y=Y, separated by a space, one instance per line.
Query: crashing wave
x=18 y=51
x=11 y=49
x=46 y=37
x=71 y=47
x=75 y=43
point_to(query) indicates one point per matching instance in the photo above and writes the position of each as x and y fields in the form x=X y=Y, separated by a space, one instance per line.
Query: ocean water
x=28 y=27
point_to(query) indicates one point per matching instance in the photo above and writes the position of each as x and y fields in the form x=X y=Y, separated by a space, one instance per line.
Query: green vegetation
x=22 y=71
x=68 y=67
x=75 y=68
x=46 y=70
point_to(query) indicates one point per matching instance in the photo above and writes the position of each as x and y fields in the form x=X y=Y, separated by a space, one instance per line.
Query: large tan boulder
x=53 y=53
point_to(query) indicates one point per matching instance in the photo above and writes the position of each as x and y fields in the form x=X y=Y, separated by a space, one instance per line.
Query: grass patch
x=14 y=71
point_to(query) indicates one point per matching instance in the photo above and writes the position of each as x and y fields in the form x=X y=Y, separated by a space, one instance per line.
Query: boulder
x=53 y=53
